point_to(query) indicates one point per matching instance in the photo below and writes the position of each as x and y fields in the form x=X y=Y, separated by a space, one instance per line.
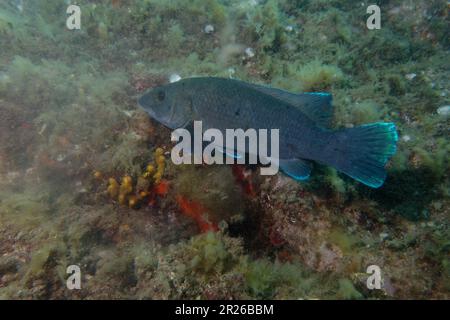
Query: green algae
x=347 y=290
x=210 y=255
x=316 y=76
x=268 y=280
x=217 y=255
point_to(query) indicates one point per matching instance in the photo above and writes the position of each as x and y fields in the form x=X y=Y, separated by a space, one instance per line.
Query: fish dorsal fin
x=297 y=169
x=316 y=105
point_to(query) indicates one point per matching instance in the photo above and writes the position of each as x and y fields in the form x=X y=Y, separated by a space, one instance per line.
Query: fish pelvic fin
x=362 y=152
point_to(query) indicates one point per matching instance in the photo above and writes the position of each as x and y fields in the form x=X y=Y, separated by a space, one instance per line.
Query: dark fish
x=303 y=120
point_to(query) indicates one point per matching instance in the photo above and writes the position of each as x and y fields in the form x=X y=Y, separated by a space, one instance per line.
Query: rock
x=8 y=265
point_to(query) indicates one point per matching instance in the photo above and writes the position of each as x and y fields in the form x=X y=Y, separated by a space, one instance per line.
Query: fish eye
x=161 y=95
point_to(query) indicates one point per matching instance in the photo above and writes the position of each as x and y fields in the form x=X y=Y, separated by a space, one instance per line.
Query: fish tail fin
x=362 y=152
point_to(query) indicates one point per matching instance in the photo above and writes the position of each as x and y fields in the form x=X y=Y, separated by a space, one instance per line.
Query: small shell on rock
x=406 y=138
x=174 y=78
x=209 y=28
x=443 y=111
x=249 y=52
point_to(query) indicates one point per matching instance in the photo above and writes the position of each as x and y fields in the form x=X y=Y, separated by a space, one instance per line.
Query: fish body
x=303 y=121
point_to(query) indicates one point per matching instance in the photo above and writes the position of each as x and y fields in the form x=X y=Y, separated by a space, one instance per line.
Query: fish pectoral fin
x=230 y=153
x=297 y=169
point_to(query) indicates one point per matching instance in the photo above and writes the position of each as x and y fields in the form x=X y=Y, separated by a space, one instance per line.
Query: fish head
x=170 y=104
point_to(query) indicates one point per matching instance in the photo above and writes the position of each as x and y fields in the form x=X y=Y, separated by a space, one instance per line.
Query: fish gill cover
x=86 y=178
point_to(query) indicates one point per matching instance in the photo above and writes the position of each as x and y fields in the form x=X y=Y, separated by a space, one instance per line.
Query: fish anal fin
x=297 y=169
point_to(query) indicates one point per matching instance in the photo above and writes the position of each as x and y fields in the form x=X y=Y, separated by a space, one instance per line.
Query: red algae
x=242 y=179
x=197 y=212
x=161 y=188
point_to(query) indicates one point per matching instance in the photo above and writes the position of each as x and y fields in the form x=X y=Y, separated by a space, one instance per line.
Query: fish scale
x=216 y=108
x=302 y=119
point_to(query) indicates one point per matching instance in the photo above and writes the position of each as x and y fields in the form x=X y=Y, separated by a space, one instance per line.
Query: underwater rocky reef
x=86 y=177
